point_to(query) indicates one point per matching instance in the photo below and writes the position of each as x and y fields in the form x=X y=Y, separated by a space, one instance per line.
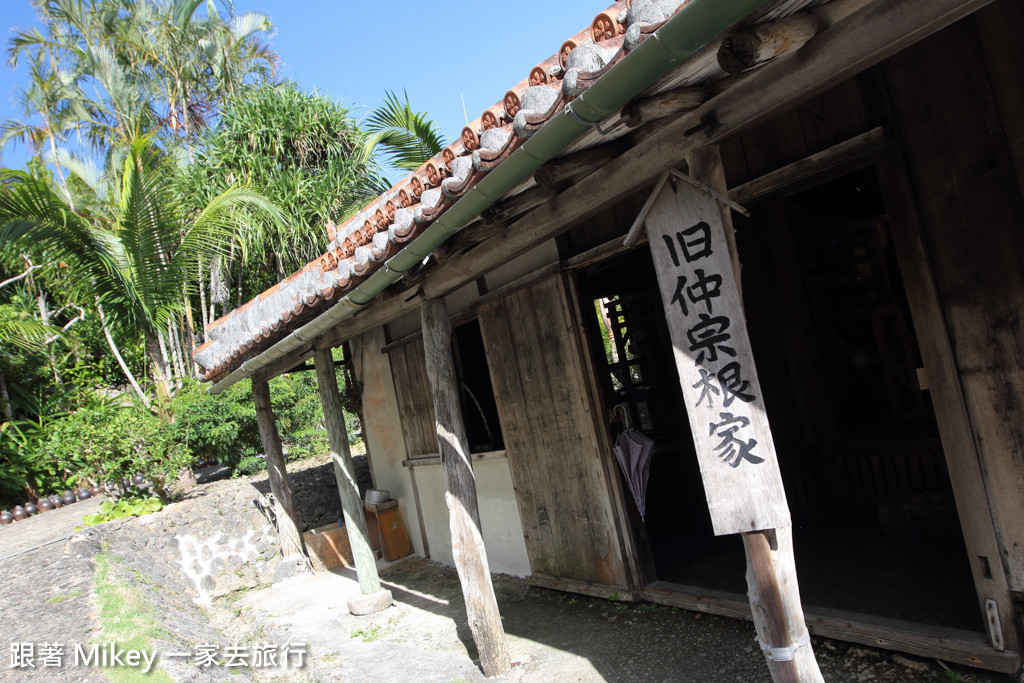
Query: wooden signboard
x=716 y=366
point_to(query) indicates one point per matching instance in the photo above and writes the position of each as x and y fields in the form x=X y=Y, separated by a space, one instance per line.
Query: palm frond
x=29 y=334
x=84 y=169
x=407 y=138
x=32 y=214
x=183 y=11
x=243 y=26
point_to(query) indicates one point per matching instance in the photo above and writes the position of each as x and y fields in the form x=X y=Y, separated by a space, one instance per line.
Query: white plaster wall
x=499 y=513
x=499 y=516
x=384 y=439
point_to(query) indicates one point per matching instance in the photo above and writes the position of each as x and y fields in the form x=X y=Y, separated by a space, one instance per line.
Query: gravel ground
x=552 y=636
x=207 y=565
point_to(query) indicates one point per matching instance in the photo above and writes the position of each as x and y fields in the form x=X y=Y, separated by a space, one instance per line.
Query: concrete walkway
x=551 y=636
x=45 y=528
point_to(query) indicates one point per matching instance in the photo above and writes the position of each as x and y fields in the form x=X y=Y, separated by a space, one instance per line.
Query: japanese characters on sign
x=715 y=362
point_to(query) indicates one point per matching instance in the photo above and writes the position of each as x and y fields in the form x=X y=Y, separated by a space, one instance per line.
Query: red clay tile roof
x=361 y=244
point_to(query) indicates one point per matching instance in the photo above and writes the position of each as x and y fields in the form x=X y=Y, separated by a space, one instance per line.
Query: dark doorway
x=875 y=524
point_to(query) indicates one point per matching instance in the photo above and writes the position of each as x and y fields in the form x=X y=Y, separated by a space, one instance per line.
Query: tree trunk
x=5 y=398
x=277 y=473
x=202 y=296
x=45 y=317
x=240 y=274
x=190 y=335
x=460 y=493
x=160 y=375
x=174 y=344
x=56 y=165
x=345 y=473
x=117 y=354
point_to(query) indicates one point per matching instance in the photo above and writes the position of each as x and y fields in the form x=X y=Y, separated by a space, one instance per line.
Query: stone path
x=45 y=528
x=552 y=636
x=45 y=599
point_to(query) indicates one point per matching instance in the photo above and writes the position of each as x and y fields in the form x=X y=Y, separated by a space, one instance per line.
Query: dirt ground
x=552 y=636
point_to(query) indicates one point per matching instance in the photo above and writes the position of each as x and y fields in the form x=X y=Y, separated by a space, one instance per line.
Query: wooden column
x=460 y=493
x=772 y=585
x=287 y=529
x=344 y=472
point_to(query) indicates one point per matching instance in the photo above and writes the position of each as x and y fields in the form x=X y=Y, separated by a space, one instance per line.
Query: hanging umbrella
x=633 y=451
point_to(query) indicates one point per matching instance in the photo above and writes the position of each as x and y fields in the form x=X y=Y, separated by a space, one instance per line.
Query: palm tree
x=158 y=66
x=26 y=334
x=397 y=137
x=406 y=139
x=130 y=243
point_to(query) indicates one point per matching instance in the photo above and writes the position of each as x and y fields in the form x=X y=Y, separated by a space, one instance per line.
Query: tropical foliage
x=130 y=245
x=401 y=137
x=127 y=506
x=302 y=151
x=165 y=158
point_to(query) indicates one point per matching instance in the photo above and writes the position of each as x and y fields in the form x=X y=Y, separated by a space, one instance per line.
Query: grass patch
x=127 y=619
x=60 y=597
x=368 y=634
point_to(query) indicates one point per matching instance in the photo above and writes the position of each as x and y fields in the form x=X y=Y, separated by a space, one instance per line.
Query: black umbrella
x=633 y=451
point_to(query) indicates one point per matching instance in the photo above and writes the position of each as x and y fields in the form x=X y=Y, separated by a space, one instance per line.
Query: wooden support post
x=771 y=567
x=460 y=493
x=373 y=598
x=287 y=529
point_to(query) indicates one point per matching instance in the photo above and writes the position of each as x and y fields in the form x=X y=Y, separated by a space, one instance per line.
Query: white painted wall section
x=384 y=441
x=499 y=516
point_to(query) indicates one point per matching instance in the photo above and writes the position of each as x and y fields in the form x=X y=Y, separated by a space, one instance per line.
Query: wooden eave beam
x=855 y=42
x=840 y=156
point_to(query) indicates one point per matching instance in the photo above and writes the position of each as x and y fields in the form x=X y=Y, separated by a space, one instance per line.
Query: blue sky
x=439 y=52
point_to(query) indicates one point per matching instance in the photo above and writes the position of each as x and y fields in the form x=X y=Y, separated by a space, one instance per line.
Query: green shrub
x=106 y=441
x=296 y=403
x=25 y=470
x=130 y=506
x=308 y=443
x=250 y=464
x=218 y=428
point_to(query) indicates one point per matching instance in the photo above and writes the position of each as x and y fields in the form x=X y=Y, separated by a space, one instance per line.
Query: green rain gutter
x=680 y=38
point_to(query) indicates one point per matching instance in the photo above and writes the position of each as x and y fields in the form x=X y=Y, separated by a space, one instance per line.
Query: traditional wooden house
x=878 y=146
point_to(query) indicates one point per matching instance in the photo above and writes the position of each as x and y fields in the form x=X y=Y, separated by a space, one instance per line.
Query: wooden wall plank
x=999 y=27
x=972 y=215
x=409 y=366
x=546 y=415
x=833 y=116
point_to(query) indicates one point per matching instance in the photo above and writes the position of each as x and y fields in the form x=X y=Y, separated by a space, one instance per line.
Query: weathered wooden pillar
x=460 y=493
x=373 y=598
x=772 y=585
x=287 y=529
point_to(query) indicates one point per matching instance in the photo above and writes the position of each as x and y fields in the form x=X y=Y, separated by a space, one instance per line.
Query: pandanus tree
x=130 y=243
x=303 y=151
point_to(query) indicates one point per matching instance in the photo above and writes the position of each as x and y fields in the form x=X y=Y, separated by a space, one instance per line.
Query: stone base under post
x=378 y=601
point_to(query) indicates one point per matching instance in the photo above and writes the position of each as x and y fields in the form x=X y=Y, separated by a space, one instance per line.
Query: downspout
x=694 y=26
